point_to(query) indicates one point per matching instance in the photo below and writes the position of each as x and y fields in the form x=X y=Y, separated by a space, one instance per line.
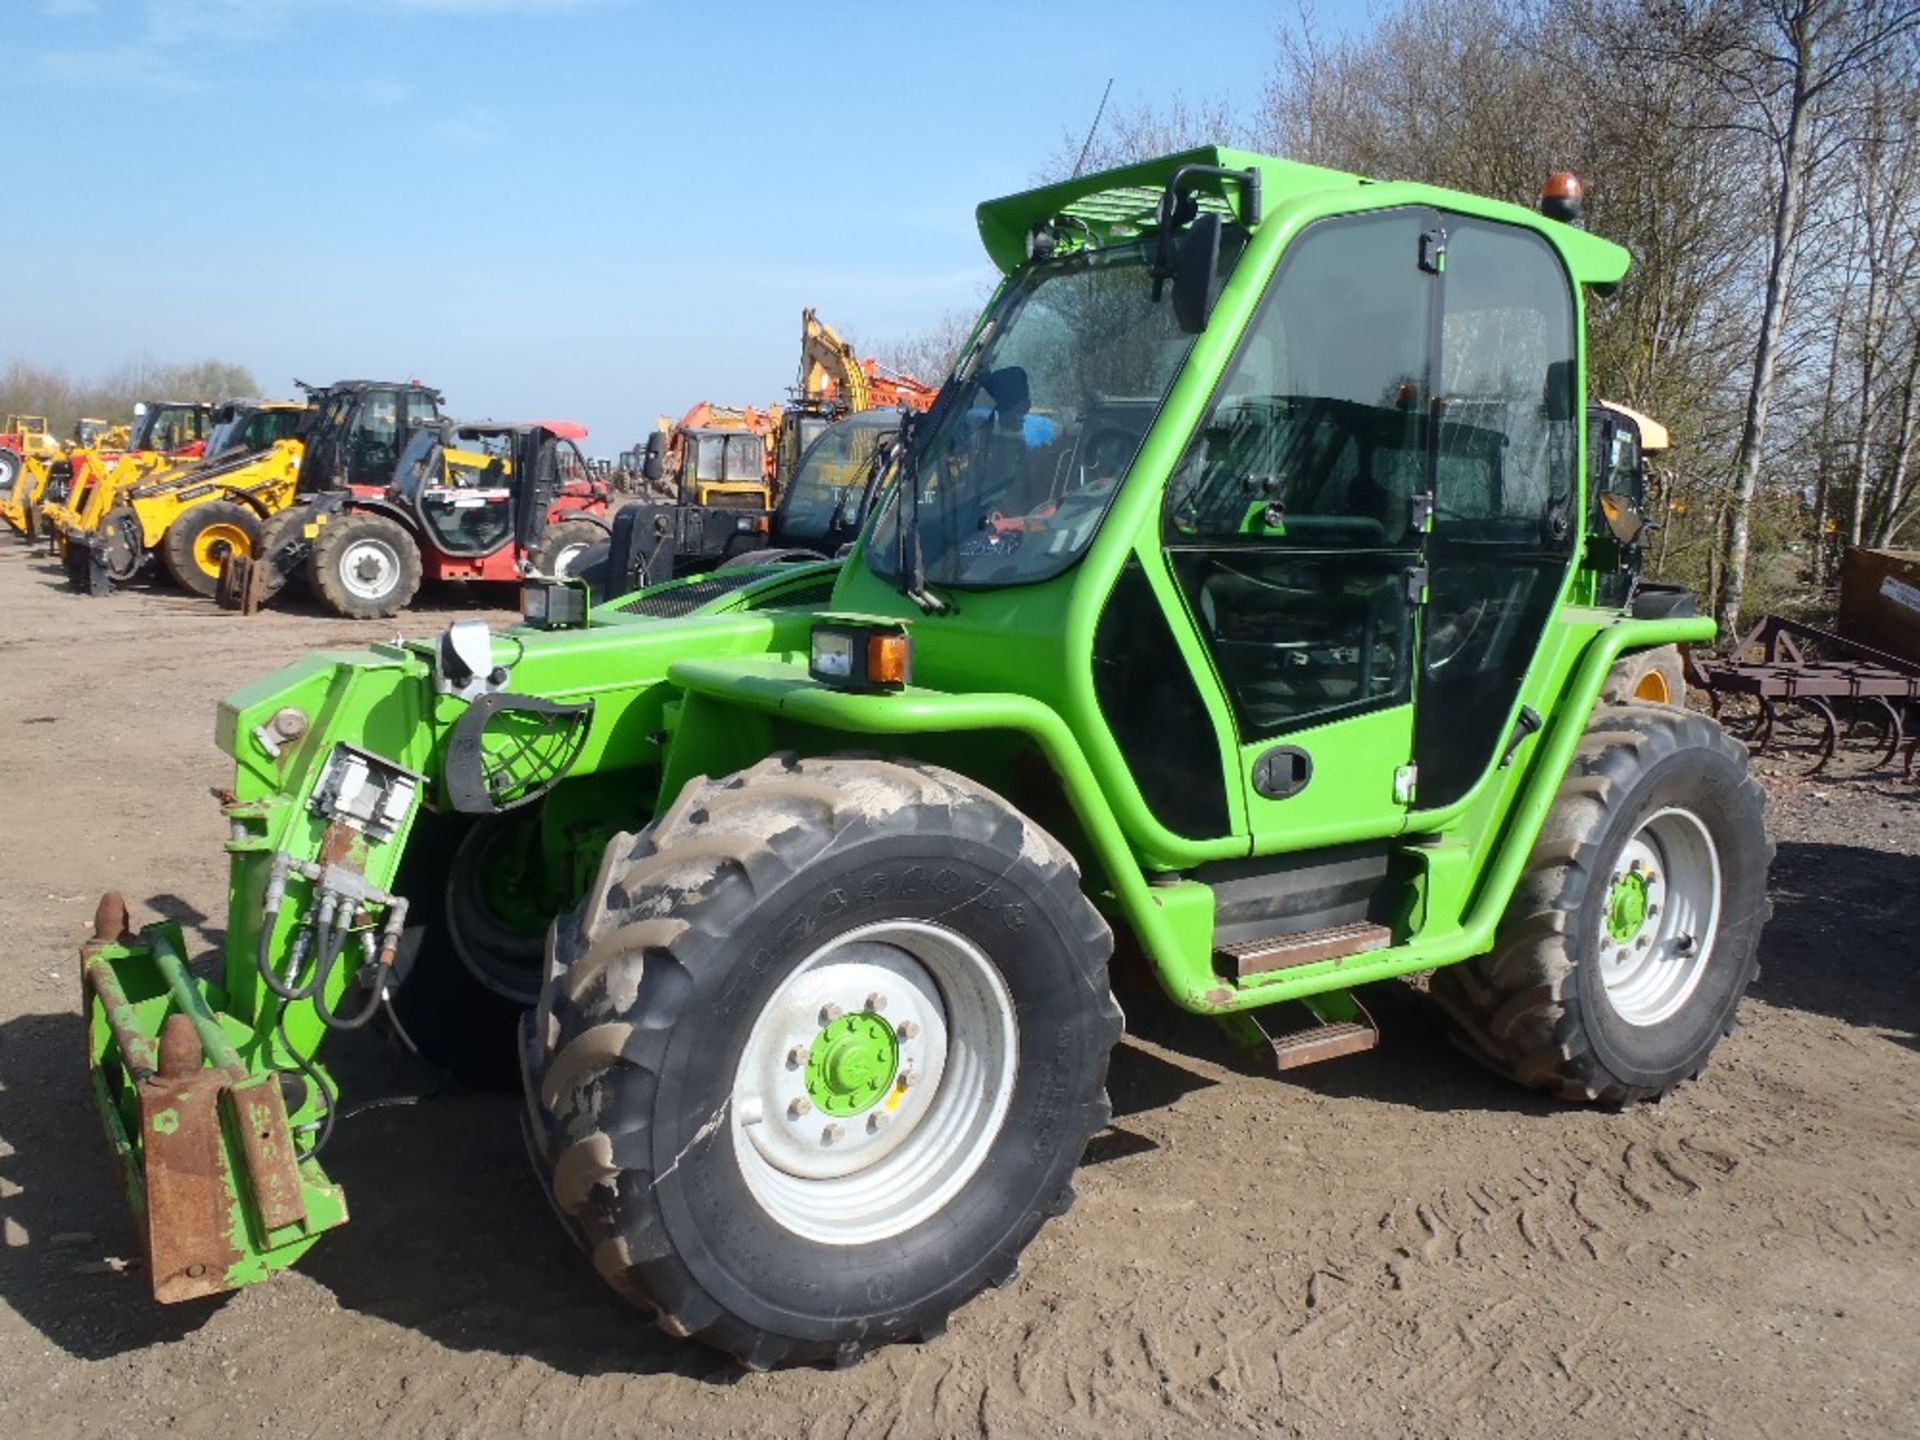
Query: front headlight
x=861 y=655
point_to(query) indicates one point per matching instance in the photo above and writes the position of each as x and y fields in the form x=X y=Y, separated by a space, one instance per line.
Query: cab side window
x=1289 y=522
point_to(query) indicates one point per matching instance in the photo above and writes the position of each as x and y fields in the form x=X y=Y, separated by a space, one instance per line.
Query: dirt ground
x=1395 y=1243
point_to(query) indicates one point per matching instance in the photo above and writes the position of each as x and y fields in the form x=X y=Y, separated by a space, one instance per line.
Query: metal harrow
x=1827 y=675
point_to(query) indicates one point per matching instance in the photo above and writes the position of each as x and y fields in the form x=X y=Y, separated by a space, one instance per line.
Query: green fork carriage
x=1246 y=594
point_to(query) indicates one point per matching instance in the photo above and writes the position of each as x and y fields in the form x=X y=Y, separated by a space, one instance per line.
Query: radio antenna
x=1087 y=144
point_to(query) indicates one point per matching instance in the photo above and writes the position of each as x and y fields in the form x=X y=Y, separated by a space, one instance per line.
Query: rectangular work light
x=857 y=655
x=553 y=604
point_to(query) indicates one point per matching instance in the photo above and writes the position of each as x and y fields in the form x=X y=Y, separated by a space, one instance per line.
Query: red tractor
x=468 y=500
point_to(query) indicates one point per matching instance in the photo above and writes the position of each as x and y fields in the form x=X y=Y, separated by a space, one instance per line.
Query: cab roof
x=1123 y=203
x=561 y=429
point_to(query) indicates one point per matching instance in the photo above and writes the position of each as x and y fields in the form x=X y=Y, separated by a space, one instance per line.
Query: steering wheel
x=1449 y=640
x=1104 y=453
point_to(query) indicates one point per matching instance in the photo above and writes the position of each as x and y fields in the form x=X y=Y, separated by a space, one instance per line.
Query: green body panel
x=1003 y=689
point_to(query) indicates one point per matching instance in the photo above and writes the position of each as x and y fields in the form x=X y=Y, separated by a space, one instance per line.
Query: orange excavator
x=835 y=382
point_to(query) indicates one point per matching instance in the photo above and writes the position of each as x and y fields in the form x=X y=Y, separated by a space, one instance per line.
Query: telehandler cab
x=1239 y=596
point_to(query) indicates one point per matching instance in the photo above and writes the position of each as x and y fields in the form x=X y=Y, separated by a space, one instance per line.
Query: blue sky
x=607 y=209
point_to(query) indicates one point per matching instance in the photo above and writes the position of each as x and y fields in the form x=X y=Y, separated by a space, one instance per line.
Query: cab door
x=1505 y=494
x=1294 y=523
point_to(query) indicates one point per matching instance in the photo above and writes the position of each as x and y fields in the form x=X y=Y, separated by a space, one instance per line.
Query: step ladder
x=1246 y=958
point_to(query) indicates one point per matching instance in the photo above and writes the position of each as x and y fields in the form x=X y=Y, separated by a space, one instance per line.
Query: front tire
x=817 y=1055
x=471 y=957
x=1634 y=932
x=563 y=549
x=365 y=566
x=200 y=539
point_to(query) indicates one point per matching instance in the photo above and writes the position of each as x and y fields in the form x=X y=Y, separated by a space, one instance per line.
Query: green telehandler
x=1244 y=600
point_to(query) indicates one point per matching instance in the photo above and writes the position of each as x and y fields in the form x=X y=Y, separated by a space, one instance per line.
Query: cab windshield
x=1024 y=457
x=168 y=427
x=824 y=493
x=728 y=456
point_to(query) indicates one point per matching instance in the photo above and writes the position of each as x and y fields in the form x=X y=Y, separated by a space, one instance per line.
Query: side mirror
x=1623 y=517
x=654 y=463
x=1196 y=276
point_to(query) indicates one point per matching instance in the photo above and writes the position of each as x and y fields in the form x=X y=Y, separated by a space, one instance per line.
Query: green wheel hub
x=1627 y=906
x=852 y=1064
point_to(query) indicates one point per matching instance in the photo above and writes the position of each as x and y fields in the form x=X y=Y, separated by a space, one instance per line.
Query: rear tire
x=1649 y=677
x=9 y=470
x=365 y=566
x=1634 y=931
x=671 y=1082
x=201 y=536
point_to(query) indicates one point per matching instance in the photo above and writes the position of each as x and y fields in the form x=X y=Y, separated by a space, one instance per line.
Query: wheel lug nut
x=798 y=1056
x=829 y=1013
x=800 y=1106
x=832 y=1133
x=878 y=1120
x=909 y=1079
x=907 y=1029
x=876 y=1002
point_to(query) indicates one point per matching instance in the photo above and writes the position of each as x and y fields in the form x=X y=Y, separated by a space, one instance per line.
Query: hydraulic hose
x=326 y=936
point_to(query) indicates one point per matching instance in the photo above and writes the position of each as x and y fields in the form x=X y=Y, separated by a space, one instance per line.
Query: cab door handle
x=1282 y=771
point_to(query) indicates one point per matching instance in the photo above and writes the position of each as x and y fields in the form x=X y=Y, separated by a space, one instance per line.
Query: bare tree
x=1787 y=64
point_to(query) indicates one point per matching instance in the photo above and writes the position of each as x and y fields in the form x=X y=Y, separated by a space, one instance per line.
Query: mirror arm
x=1171 y=205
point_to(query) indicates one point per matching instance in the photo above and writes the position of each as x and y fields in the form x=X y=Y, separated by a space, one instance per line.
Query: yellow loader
x=29 y=466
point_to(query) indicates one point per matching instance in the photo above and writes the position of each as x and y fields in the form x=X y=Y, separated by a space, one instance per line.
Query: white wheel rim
x=1653 y=971
x=369 y=569
x=563 y=562
x=859 y=1177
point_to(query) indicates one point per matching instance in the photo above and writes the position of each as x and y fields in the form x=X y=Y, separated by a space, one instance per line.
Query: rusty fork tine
x=1830 y=733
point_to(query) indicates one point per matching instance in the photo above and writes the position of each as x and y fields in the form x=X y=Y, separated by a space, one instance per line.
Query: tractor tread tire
x=665 y=924
x=561 y=536
x=340 y=531
x=1525 y=1008
x=277 y=531
x=177 y=545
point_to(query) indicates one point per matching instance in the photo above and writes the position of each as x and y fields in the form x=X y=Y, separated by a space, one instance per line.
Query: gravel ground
x=1391 y=1244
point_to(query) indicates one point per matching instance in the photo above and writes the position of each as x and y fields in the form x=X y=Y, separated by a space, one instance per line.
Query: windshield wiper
x=910 y=561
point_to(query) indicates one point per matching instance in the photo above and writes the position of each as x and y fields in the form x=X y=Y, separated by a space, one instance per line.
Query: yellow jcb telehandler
x=164 y=433
x=191 y=515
